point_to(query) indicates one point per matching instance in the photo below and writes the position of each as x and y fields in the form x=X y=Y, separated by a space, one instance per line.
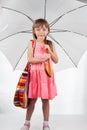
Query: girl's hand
x=52 y=52
x=47 y=56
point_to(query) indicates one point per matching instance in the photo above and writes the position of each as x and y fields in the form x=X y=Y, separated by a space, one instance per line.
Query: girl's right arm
x=32 y=59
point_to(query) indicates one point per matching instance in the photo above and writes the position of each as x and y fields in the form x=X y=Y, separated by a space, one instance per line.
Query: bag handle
x=27 y=65
x=47 y=68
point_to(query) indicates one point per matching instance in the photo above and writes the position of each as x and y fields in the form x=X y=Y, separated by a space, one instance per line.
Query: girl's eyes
x=38 y=29
x=43 y=29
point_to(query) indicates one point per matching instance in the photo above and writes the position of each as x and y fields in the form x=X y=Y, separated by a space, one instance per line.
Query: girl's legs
x=29 y=113
x=30 y=108
x=45 y=108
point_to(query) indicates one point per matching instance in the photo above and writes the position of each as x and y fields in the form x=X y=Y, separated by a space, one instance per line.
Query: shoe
x=46 y=127
x=25 y=127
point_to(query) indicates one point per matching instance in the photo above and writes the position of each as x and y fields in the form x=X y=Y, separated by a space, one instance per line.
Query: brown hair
x=42 y=22
x=38 y=23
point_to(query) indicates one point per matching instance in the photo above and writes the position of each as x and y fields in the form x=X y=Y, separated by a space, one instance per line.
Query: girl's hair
x=41 y=23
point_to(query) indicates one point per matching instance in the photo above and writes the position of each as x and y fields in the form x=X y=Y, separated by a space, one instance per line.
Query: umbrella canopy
x=68 y=22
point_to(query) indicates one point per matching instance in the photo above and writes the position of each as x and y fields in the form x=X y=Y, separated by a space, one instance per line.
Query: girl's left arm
x=53 y=53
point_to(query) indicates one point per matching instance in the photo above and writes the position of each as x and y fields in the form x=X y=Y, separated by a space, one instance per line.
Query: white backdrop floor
x=13 y=121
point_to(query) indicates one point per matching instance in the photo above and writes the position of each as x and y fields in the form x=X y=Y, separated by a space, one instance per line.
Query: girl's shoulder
x=31 y=43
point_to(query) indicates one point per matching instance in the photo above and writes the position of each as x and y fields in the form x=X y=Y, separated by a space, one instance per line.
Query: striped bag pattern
x=20 y=97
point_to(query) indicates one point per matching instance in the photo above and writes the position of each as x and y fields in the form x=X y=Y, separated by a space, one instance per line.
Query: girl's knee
x=32 y=102
x=45 y=101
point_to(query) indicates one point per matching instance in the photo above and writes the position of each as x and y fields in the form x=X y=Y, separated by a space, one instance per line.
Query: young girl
x=40 y=85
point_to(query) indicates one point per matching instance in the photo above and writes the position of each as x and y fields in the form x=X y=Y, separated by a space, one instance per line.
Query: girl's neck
x=40 y=41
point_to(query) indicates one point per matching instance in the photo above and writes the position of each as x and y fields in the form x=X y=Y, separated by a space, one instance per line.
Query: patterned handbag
x=20 y=97
x=21 y=94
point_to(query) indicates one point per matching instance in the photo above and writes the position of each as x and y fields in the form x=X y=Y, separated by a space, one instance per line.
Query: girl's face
x=41 y=32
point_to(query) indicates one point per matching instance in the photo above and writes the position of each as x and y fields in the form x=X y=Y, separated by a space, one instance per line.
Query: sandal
x=46 y=127
x=25 y=127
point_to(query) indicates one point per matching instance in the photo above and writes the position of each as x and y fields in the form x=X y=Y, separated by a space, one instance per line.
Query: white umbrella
x=68 y=22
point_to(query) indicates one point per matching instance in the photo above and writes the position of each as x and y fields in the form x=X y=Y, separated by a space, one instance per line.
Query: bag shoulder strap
x=33 y=45
x=32 y=42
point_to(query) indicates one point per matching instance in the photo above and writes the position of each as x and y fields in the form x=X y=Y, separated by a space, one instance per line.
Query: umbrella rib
x=57 y=30
x=27 y=31
x=45 y=9
x=60 y=30
x=57 y=19
x=62 y=49
x=20 y=58
x=18 y=12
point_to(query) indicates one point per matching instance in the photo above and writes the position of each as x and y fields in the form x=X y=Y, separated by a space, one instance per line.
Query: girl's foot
x=46 y=127
x=25 y=127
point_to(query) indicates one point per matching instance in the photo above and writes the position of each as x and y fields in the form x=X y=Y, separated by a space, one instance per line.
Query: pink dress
x=40 y=85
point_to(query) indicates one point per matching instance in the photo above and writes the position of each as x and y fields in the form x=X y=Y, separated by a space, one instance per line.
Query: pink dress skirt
x=40 y=85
